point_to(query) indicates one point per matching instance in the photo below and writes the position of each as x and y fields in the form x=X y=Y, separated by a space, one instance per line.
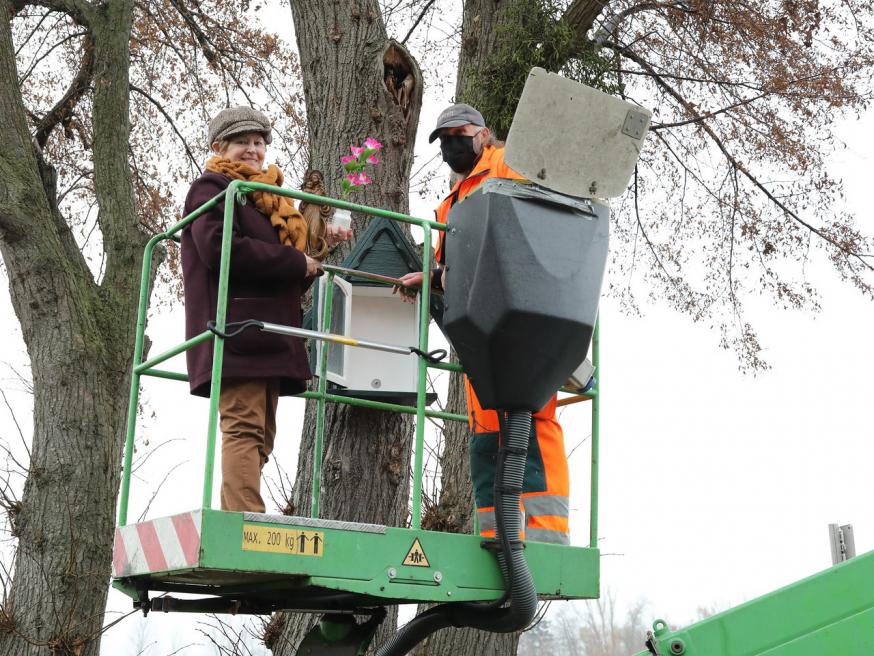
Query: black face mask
x=458 y=152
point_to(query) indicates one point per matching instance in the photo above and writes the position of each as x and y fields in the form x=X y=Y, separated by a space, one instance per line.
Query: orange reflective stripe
x=540 y=528
x=491 y=509
x=549 y=522
x=491 y=534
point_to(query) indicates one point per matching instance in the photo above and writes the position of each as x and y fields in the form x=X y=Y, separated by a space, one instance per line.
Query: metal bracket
x=651 y=644
x=659 y=629
x=143 y=602
x=843 y=542
x=528 y=190
x=635 y=124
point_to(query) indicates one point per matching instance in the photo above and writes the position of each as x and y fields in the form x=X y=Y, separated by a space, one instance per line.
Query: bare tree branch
x=707 y=115
x=158 y=489
x=581 y=15
x=63 y=109
x=202 y=39
x=17 y=426
x=79 y=10
x=39 y=57
x=688 y=107
x=671 y=277
x=35 y=29
x=417 y=21
x=170 y=120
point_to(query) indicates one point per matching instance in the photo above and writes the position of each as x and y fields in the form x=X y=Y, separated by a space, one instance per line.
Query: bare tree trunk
x=478 y=39
x=78 y=336
x=357 y=83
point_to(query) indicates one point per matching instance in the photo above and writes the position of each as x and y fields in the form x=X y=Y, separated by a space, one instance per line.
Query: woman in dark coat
x=274 y=259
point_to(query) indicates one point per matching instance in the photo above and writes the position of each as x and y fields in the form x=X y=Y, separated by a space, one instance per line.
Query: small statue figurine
x=314 y=183
x=317 y=216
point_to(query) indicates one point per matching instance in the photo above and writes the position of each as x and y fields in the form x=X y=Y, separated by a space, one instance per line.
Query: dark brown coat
x=266 y=282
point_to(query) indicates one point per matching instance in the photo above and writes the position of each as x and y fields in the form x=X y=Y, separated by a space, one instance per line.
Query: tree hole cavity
x=398 y=77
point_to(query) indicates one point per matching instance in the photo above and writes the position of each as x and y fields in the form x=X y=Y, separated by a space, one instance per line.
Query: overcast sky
x=716 y=486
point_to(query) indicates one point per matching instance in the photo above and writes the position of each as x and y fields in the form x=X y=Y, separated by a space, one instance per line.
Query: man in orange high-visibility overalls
x=470 y=151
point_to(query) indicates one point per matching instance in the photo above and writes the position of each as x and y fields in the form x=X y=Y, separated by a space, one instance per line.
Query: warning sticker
x=416 y=555
x=292 y=541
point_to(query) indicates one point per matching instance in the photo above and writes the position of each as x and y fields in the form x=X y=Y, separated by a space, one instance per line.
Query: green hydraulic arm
x=828 y=614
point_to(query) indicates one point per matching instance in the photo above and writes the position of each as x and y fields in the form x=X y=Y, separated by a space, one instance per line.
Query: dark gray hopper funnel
x=525 y=266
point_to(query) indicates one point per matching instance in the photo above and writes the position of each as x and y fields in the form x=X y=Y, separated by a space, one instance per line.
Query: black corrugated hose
x=515 y=610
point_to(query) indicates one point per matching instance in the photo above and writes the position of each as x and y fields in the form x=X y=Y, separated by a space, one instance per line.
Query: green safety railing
x=237 y=190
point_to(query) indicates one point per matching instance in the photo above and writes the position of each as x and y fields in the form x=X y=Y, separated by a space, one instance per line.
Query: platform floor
x=268 y=562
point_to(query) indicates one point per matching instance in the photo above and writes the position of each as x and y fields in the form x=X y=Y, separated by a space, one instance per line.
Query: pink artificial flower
x=363 y=179
x=357 y=150
x=348 y=158
x=372 y=143
x=373 y=159
x=353 y=178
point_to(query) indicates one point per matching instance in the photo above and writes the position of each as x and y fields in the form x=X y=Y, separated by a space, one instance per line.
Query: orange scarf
x=289 y=223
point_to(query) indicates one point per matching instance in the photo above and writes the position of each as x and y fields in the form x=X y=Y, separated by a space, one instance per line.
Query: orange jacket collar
x=483 y=165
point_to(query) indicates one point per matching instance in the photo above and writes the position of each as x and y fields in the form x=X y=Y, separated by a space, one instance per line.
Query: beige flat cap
x=236 y=120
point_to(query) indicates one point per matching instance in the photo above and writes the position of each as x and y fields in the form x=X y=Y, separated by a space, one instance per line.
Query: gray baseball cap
x=455 y=116
x=236 y=120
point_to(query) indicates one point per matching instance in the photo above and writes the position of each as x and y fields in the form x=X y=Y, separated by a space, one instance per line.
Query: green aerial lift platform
x=259 y=563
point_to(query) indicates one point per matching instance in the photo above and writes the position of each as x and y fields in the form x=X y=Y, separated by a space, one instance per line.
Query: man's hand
x=412 y=282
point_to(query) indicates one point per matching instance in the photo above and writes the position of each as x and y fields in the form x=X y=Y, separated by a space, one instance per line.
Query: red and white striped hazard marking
x=157 y=545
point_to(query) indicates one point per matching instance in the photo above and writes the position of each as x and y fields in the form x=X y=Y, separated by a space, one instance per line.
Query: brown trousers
x=248 y=421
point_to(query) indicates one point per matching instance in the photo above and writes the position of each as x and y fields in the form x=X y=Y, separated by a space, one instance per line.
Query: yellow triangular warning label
x=416 y=555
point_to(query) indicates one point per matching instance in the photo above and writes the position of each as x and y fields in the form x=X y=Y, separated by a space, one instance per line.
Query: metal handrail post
x=327 y=305
x=219 y=343
x=424 y=316
x=135 y=378
x=596 y=445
